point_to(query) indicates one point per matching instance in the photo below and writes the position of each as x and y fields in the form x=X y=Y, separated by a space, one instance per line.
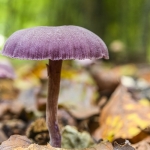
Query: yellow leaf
x=132 y=116
x=133 y=130
x=129 y=106
x=144 y=102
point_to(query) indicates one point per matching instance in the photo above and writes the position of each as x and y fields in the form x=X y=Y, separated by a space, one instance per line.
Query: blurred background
x=123 y=25
x=116 y=89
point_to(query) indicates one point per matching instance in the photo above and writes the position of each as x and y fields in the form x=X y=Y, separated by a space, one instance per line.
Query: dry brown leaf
x=123 y=117
x=2 y=136
x=7 y=89
x=15 y=141
x=14 y=126
x=143 y=145
x=106 y=80
x=10 y=106
x=76 y=95
x=80 y=113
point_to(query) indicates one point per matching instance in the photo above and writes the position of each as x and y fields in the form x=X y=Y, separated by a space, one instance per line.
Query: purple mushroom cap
x=6 y=70
x=55 y=43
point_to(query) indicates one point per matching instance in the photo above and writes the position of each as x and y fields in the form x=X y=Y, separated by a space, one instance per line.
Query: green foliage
x=27 y=13
x=127 y=21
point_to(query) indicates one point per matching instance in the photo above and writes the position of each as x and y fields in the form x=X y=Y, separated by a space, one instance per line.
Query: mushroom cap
x=6 y=70
x=55 y=43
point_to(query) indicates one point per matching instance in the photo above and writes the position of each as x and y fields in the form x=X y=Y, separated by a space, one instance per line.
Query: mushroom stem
x=54 y=72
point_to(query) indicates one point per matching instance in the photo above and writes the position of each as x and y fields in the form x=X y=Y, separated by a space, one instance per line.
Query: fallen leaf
x=106 y=80
x=123 y=117
x=143 y=145
x=15 y=141
x=2 y=136
x=10 y=108
x=7 y=89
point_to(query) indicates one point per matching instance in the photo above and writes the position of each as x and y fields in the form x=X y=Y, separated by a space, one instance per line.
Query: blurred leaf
x=26 y=77
x=123 y=117
x=7 y=89
x=75 y=95
x=143 y=145
x=125 y=70
x=144 y=102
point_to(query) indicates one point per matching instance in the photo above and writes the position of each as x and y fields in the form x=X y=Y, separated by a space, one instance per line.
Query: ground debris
x=17 y=142
x=143 y=145
x=126 y=146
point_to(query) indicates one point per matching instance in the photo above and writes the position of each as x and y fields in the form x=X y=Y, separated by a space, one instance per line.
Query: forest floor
x=100 y=106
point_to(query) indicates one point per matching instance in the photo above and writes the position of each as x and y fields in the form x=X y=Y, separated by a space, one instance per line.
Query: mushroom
x=56 y=44
x=6 y=70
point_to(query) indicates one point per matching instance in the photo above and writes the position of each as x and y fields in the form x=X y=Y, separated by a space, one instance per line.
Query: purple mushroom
x=56 y=44
x=6 y=70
